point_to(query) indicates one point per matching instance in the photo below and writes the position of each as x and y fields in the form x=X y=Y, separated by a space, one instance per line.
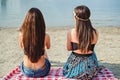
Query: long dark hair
x=84 y=27
x=33 y=33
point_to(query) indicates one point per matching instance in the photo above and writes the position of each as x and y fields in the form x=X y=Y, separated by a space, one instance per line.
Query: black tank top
x=75 y=46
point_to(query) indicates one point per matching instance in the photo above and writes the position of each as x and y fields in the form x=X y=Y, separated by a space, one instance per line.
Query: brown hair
x=33 y=33
x=84 y=27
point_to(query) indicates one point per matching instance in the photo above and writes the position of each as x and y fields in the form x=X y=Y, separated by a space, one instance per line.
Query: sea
x=59 y=13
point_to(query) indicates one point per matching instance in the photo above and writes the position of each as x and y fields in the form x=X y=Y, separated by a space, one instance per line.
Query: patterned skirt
x=83 y=67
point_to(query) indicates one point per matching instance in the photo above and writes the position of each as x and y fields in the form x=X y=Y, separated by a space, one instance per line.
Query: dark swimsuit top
x=75 y=47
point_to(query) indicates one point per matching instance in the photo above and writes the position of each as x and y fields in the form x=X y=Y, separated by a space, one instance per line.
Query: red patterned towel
x=55 y=74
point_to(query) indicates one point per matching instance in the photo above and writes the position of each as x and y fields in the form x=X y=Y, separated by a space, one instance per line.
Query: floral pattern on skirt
x=81 y=67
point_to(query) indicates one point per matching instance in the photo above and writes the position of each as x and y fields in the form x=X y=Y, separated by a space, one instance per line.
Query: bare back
x=71 y=37
x=41 y=61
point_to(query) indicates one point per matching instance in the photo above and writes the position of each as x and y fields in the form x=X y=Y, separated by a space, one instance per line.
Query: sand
x=107 y=48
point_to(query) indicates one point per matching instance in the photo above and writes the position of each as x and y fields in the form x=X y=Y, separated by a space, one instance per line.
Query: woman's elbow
x=68 y=48
x=48 y=46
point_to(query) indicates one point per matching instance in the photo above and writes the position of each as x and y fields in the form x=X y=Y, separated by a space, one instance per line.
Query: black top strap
x=75 y=46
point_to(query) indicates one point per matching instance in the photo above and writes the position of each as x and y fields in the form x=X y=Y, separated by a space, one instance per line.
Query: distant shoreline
x=63 y=26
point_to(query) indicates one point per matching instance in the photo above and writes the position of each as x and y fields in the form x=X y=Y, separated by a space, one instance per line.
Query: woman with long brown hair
x=81 y=40
x=34 y=40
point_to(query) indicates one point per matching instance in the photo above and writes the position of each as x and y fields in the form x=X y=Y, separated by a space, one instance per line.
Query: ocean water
x=58 y=13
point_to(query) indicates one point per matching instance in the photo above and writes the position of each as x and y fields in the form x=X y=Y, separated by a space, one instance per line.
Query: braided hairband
x=80 y=19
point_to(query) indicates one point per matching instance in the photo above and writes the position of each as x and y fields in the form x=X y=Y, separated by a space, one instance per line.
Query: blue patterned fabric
x=36 y=73
x=81 y=67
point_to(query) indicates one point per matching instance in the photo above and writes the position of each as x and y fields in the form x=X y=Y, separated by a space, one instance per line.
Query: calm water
x=59 y=12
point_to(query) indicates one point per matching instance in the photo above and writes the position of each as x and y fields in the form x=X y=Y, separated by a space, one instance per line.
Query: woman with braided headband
x=81 y=40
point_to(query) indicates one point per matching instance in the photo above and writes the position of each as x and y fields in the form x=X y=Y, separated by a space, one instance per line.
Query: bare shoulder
x=70 y=31
x=47 y=35
x=95 y=33
x=20 y=34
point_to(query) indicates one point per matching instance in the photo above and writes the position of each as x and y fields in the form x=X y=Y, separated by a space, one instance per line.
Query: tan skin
x=41 y=61
x=71 y=37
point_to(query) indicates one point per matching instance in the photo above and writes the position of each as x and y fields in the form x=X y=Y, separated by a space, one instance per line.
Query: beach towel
x=56 y=74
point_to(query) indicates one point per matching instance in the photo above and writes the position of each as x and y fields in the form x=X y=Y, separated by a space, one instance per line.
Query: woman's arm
x=20 y=40
x=69 y=40
x=95 y=37
x=47 y=41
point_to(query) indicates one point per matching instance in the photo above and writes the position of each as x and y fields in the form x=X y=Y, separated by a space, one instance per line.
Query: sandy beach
x=107 y=48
